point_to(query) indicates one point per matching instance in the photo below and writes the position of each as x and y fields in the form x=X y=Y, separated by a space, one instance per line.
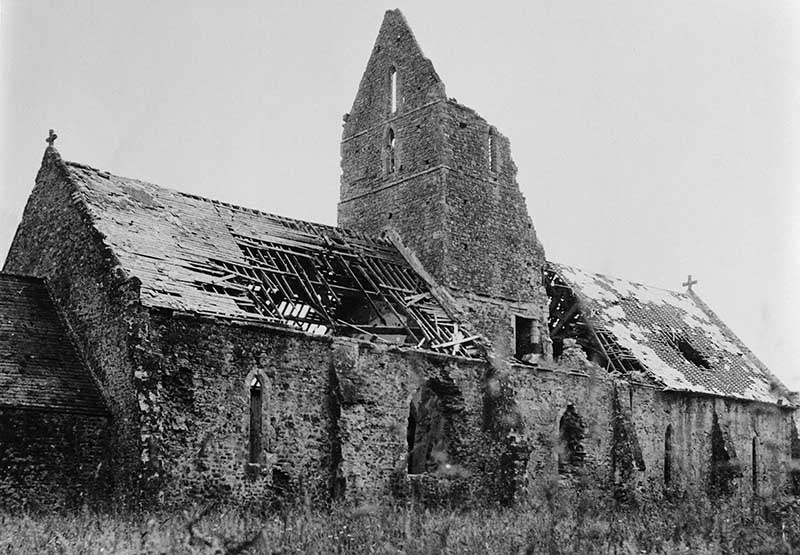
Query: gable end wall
x=56 y=241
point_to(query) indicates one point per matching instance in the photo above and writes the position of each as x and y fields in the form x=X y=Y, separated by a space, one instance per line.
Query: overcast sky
x=654 y=139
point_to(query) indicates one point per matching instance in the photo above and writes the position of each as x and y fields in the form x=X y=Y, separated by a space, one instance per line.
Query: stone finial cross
x=51 y=138
x=689 y=282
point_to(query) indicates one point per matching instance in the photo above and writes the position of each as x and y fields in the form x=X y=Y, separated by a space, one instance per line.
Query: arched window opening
x=256 y=400
x=755 y=465
x=393 y=87
x=725 y=469
x=427 y=432
x=411 y=435
x=668 y=456
x=391 y=156
x=571 y=433
x=492 y=150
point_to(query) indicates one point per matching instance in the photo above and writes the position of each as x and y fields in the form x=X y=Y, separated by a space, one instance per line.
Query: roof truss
x=322 y=281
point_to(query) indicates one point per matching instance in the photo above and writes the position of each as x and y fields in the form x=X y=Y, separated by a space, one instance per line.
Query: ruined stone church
x=166 y=347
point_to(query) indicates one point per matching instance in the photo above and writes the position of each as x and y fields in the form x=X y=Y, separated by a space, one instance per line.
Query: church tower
x=443 y=178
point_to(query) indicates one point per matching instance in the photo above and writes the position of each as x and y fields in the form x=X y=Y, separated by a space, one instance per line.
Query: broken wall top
x=677 y=338
x=39 y=366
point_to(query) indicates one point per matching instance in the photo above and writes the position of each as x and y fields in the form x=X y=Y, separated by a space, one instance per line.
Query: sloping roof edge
x=649 y=322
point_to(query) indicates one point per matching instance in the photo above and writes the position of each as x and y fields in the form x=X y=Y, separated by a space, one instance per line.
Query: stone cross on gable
x=689 y=282
x=51 y=138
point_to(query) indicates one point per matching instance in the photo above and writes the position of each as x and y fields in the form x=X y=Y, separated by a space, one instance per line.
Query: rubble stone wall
x=335 y=411
x=451 y=193
x=336 y=420
x=543 y=397
x=52 y=459
x=56 y=241
x=492 y=248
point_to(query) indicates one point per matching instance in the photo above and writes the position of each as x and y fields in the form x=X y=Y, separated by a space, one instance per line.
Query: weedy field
x=554 y=521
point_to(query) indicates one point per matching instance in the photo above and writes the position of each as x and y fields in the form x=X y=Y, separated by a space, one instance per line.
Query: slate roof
x=652 y=323
x=39 y=366
x=202 y=256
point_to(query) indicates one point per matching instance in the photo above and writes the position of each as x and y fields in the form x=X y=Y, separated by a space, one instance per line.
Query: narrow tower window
x=391 y=157
x=255 y=420
x=668 y=456
x=393 y=85
x=492 y=150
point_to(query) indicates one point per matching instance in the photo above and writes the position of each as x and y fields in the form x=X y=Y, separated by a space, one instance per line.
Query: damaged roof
x=675 y=337
x=208 y=257
x=39 y=366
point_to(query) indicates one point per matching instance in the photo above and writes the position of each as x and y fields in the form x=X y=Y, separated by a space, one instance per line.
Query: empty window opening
x=725 y=469
x=755 y=465
x=411 y=435
x=571 y=433
x=426 y=434
x=391 y=157
x=668 y=456
x=492 y=150
x=526 y=344
x=393 y=86
x=255 y=421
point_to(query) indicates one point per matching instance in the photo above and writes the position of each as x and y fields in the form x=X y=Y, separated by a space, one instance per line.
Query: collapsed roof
x=672 y=339
x=39 y=367
x=208 y=257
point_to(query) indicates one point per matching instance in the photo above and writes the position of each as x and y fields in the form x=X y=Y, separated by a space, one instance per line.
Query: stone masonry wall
x=56 y=241
x=408 y=197
x=51 y=459
x=443 y=178
x=334 y=416
x=544 y=394
x=492 y=248
x=198 y=407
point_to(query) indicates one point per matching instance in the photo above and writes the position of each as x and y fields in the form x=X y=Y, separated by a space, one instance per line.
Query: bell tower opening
x=393 y=90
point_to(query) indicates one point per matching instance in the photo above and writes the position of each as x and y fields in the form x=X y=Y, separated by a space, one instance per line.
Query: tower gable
x=396 y=62
x=437 y=173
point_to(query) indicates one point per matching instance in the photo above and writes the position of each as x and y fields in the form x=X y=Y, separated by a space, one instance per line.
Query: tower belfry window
x=393 y=86
x=391 y=152
x=492 y=150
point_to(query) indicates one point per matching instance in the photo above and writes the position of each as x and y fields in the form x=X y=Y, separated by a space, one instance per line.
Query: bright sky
x=654 y=139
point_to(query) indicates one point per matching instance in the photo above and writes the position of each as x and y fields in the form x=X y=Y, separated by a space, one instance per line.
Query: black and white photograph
x=421 y=278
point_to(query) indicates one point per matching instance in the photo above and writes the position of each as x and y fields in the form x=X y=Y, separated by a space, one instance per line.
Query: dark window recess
x=523 y=333
x=571 y=432
x=427 y=432
x=668 y=456
x=755 y=465
x=255 y=421
x=411 y=437
x=391 y=160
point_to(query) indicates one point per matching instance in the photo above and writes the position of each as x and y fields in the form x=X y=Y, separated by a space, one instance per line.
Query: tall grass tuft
x=557 y=518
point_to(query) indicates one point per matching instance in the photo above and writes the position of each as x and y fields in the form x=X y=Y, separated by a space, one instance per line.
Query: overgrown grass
x=555 y=520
